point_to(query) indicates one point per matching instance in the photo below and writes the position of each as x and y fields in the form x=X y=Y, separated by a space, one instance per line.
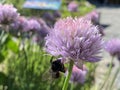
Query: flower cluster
x=94 y=16
x=78 y=75
x=51 y=17
x=48 y=16
x=57 y=14
x=8 y=14
x=32 y=25
x=75 y=39
x=113 y=47
x=41 y=34
x=20 y=23
x=73 y=6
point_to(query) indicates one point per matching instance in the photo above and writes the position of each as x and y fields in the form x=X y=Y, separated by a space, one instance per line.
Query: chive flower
x=75 y=39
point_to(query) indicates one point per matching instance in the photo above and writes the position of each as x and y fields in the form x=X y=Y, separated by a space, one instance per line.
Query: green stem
x=72 y=87
x=26 y=66
x=1 y=36
x=115 y=77
x=108 y=74
x=26 y=57
x=65 y=85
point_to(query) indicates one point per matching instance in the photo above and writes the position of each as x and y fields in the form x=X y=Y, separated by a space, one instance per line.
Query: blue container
x=43 y=4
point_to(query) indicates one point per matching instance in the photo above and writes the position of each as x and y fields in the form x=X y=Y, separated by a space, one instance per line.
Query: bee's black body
x=57 y=66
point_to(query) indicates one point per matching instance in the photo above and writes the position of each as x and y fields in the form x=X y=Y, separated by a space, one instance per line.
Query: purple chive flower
x=8 y=14
x=20 y=23
x=48 y=16
x=94 y=16
x=73 y=6
x=42 y=33
x=57 y=14
x=113 y=47
x=78 y=75
x=75 y=39
x=44 y=30
x=32 y=25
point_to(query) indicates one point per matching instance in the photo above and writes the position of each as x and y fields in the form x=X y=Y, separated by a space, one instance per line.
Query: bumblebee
x=56 y=67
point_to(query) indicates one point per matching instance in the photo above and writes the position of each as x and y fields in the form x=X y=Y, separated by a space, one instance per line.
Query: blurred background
x=24 y=65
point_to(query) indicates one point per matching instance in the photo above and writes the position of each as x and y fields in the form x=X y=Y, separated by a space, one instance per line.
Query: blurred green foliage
x=1 y=57
x=29 y=70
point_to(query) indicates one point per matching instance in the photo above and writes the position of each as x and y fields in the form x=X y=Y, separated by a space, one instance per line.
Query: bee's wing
x=47 y=75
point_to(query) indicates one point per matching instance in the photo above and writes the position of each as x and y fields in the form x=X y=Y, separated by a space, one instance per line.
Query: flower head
x=73 y=6
x=113 y=47
x=48 y=16
x=78 y=75
x=20 y=23
x=75 y=39
x=44 y=30
x=57 y=14
x=8 y=14
x=32 y=25
x=94 y=17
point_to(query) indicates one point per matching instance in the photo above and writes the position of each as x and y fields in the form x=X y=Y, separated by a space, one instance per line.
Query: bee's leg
x=57 y=74
x=51 y=59
x=63 y=69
